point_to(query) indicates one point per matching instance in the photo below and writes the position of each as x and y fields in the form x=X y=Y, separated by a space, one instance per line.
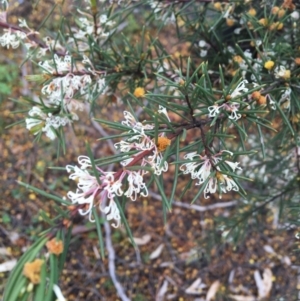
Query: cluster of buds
x=95 y=190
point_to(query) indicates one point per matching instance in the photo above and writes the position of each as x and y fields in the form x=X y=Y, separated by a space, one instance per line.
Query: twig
x=111 y=262
x=205 y=208
x=197 y=207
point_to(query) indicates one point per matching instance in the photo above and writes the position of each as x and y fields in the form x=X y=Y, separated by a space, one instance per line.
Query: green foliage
x=8 y=76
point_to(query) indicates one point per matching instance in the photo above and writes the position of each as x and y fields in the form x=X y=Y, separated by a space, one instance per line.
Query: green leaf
x=17 y=280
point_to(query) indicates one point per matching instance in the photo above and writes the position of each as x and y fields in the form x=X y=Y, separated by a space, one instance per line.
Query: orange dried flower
x=163 y=143
x=297 y=60
x=288 y=4
x=55 y=246
x=139 y=92
x=32 y=270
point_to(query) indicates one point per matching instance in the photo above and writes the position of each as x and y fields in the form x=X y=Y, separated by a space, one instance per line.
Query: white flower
x=202 y=43
x=230 y=49
x=240 y=89
x=103 y=20
x=258 y=42
x=88 y=187
x=203 y=53
x=238 y=30
x=272 y=103
x=114 y=188
x=163 y=110
x=136 y=186
x=60 y=64
x=295 y=15
x=23 y=23
x=210 y=188
x=137 y=127
x=233 y=165
x=42 y=122
x=112 y=212
x=157 y=163
x=281 y=72
x=213 y=110
x=285 y=99
x=202 y=168
x=227 y=183
x=233 y=108
x=201 y=173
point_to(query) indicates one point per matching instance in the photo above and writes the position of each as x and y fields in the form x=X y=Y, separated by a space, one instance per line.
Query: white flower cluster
x=12 y=38
x=48 y=123
x=91 y=192
x=231 y=106
x=162 y=11
x=60 y=92
x=206 y=170
x=88 y=28
x=204 y=48
x=142 y=142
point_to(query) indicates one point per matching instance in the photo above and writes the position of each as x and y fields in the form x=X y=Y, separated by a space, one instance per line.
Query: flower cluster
x=61 y=89
x=48 y=123
x=141 y=142
x=206 y=170
x=99 y=31
x=231 y=106
x=12 y=38
x=109 y=185
x=162 y=11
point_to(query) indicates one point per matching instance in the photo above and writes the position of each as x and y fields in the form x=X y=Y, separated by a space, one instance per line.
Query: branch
x=111 y=262
x=197 y=207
